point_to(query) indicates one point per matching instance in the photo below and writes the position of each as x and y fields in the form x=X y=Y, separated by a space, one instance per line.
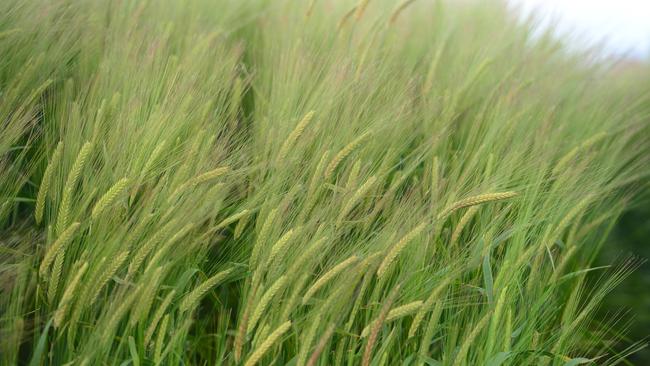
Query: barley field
x=313 y=182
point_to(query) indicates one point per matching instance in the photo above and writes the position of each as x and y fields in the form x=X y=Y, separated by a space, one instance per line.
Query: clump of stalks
x=321 y=182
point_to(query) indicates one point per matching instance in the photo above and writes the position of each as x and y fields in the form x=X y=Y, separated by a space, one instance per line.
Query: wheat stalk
x=109 y=197
x=265 y=301
x=63 y=240
x=262 y=237
x=358 y=195
x=160 y=339
x=321 y=345
x=309 y=338
x=44 y=188
x=396 y=313
x=294 y=136
x=71 y=182
x=397 y=248
x=361 y=8
x=462 y=351
x=53 y=282
x=427 y=306
x=347 y=150
x=229 y=220
x=192 y=299
x=376 y=326
x=476 y=200
x=280 y=246
x=328 y=276
x=400 y=8
x=106 y=276
x=268 y=342
x=157 y=316
x=461 y=225
x=67 y=296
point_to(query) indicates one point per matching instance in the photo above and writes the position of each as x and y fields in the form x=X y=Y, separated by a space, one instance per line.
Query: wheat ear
x=428 y=304
x=262 y=237
x=309 y=338
x=192 y=299
x=328 y=276
x=67 y=296
x=202 y=178
x=347 y=150
x=461 y=224
x=462 y=351
x=160 y=312
x=53 y=283
x=376 y=326
x=106 y=276
x=71 y=182
x=400 y=8
x=358 y=195
x=109 y=197
x=476 y=200
x=321 y=345
x=279 y=246
x=397 y=248
x=361 y=8
x=63 y=240
x=265 y=301
x=160 y=339
x=229 y=220
x=268 y=342
x=396 y=313
x=294 y=136
x=44 y=188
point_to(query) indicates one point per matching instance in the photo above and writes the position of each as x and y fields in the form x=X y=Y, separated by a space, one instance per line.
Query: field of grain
x=317 y=182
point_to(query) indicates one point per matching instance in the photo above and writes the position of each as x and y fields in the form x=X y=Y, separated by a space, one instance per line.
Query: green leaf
x=487 y=278
x=577 y=361
x=40 y=346
x=134 y=352
x=499 y=358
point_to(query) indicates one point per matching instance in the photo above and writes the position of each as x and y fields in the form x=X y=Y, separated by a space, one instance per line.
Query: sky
x=623 y=25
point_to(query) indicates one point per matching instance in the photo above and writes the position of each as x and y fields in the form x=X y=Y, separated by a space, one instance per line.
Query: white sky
x=624 y=25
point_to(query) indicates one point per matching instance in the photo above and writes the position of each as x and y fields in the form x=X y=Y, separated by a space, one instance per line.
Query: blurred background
x=618 y=29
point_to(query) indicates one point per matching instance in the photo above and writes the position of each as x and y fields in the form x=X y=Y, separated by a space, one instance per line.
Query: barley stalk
x=361 y=8
x=71 y=182
x=109 y=197
x=462 y=352
x=69 y=292
x=328 y=276
x=358 y=195
x=294 y=136
x=347 y=150
x=60 y=243
x=309 y=338
x=44 y=188
x=400 y=8
x=160 y=339
x=461 y=224
x=376 y=326
x=157 y=316
x=265 y=301
x=262 y=237
x=106 y=276
x=476 y=200
x=267 y=344
x=280 y=246
x=427 y=306
x=229 y=220
x=53 y=282
x=192 y=299
x=320 y=347
x=397 y=248
x=397 y=313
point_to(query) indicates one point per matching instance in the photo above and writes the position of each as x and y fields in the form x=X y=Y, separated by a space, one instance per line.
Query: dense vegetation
x=309 y=182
